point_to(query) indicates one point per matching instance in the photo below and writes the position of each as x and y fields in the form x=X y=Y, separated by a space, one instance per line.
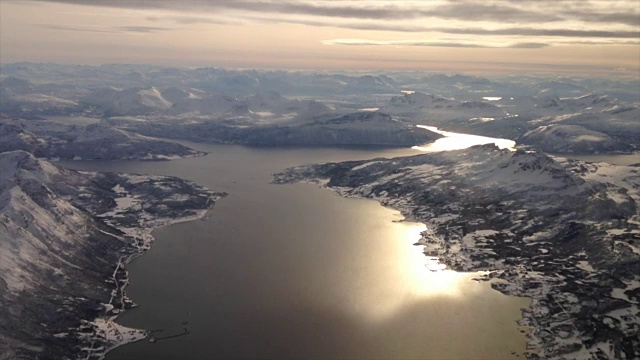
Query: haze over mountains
x=284 y=108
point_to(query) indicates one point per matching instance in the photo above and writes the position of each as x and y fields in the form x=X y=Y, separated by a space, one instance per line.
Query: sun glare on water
x=457 y=141
x=420 y=277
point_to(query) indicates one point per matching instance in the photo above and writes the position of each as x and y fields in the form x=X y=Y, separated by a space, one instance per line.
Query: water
x=293 y=271
x=456 y=141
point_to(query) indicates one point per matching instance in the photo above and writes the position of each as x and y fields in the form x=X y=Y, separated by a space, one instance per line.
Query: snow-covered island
x=65 y=238
x=564 y=233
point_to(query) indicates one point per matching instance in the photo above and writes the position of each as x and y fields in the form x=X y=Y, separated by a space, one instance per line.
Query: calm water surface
x=293 y=271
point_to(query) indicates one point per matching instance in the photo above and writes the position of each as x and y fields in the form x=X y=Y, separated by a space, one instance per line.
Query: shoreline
x=104 y=328
x=562 y=320
x=482 y=275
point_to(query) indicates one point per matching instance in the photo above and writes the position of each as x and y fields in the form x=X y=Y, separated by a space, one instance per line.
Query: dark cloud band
x=515 y=12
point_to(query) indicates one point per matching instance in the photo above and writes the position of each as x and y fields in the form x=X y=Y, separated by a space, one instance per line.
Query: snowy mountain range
x=219 y=101
x=314 y=83
x=588 y=124
x=52 y=140
x=358 y=128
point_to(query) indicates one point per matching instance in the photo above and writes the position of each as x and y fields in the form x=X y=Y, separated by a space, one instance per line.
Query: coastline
x=472 y=228
x=131 y=216
x=106 y=329
x=523 y=324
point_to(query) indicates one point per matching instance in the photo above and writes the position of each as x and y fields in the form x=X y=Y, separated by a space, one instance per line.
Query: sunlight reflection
x=418 y=277
x=457 y=141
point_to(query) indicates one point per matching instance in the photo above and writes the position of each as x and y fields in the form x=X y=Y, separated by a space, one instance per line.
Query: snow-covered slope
x=18 y=96
x=572 y=139
x=419 y=107
x=53 y=140
x=271 y=102
x=54 y=259
x=64 y=239
x=132 y=101
x=359 y=128
x=211 y=104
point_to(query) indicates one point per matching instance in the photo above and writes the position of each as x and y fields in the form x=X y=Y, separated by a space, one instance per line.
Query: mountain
x=359 y=128
x=563 y=233
x=52 y=140
x=21 y=97
x=64 y=238
x=417 y=107
x=318 y=84
x=574 y=139
x=607 y=126
x=212 y=104
x=273 y=103
x=132 y=101
x=12 y=86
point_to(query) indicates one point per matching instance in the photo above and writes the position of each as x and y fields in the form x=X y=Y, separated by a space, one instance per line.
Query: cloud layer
x=337 y=33
x=526 y=22
x=521 y=11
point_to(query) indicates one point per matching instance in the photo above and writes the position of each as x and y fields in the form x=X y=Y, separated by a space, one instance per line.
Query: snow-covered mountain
x=132 y=101
x=271 y=102
x=574 y=139
x=418 y=107
x=558 y=231
x=210 y=104
x=52 y=140
x=176 y=101
x=318 y=84
x=531 y=107
x=21 y=97
x=64 y=238
x=359 y=128
x=54 y=260
x=612 y=127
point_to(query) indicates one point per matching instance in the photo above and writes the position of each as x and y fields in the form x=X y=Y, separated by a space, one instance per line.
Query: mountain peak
x=21 y=165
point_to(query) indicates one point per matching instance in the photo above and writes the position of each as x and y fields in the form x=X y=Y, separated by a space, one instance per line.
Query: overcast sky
x=443 y=35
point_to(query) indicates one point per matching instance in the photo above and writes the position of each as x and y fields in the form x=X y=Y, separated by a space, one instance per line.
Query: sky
x=505 y=36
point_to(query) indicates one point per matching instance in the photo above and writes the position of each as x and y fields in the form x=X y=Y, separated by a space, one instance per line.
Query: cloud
x=462 y=44
x=625 y=12
x=509 y=31
x=114 y=29
x=365 y=42
x=627 y=18
x=188 y=20
x=480 y=11
x=77 y=28
x=541 y=32
x=142 y=29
